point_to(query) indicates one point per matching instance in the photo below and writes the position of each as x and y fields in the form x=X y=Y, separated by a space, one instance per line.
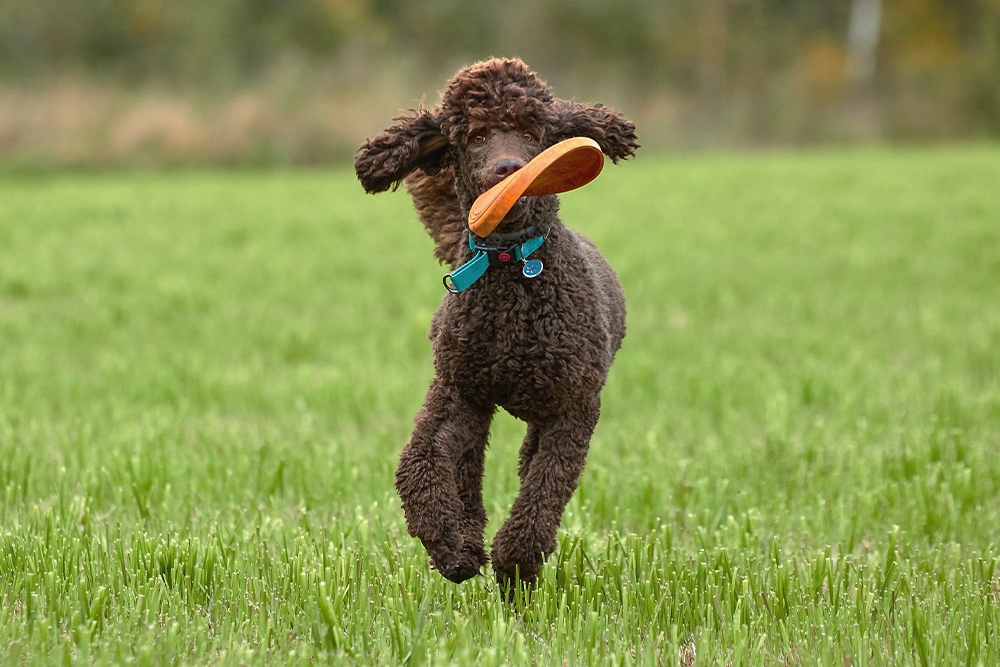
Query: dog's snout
x=505 y=168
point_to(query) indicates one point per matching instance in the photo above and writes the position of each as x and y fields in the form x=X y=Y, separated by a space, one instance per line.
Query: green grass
x=206 y=378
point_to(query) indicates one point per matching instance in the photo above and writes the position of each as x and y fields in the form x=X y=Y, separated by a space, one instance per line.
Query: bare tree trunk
x=712 y=39
x=863 y=30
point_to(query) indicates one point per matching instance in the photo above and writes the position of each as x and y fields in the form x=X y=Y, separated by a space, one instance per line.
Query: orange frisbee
x=568 y=165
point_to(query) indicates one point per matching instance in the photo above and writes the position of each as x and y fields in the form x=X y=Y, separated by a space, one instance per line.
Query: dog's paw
x=517 y=560
x=516 y=568
x=477 y=553
x=458 y=570
x=458 y=563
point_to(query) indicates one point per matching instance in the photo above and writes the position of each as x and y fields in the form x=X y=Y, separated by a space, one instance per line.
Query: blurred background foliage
x=304 y=81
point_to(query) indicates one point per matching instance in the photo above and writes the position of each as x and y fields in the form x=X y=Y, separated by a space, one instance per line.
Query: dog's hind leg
x=439 y=480
x=550 y=467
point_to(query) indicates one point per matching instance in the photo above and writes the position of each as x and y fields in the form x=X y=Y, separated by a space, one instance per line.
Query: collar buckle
x=500 y=255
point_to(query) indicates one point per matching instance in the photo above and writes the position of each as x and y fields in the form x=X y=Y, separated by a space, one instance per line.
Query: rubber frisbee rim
x=565 y=166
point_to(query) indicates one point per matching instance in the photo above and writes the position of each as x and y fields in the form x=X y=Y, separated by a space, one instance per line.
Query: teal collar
x=486 y=256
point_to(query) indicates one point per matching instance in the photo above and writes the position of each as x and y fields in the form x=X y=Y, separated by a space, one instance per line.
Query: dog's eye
x=529 y=138
x=479 y=139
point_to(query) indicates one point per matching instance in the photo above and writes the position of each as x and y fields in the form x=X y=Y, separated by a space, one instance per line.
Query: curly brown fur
x=437 y=207
x=539 y=348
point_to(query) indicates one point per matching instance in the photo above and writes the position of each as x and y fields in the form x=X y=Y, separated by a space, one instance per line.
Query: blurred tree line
x=694 y=72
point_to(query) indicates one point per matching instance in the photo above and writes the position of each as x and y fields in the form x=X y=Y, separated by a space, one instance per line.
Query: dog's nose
x=505 y=168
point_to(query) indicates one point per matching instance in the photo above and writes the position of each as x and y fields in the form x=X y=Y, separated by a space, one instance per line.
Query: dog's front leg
x=552 y=459
x=439 y=480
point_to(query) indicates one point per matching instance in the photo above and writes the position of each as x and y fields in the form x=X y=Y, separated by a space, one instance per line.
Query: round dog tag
x=532 y=268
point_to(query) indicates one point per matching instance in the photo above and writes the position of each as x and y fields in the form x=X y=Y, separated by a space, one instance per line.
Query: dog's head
x=494 y=117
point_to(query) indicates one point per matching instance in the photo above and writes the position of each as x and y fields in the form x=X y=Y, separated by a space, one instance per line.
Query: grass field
x=206 y=379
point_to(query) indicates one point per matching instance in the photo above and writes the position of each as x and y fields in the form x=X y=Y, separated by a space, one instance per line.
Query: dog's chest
x=521 y=343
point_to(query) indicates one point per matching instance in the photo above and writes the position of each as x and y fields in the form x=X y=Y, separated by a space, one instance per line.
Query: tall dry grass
x=81 y=120
x=306 y=115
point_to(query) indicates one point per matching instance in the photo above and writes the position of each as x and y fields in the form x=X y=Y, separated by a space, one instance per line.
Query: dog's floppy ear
x=386 y=159
x=614 y=133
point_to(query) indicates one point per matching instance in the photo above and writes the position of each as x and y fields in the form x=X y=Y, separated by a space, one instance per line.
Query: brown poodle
x=535 y=337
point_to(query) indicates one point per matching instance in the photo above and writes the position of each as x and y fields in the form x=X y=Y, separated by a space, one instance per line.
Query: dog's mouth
x=518 y=212
x=495 y=200
x=492 y=181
